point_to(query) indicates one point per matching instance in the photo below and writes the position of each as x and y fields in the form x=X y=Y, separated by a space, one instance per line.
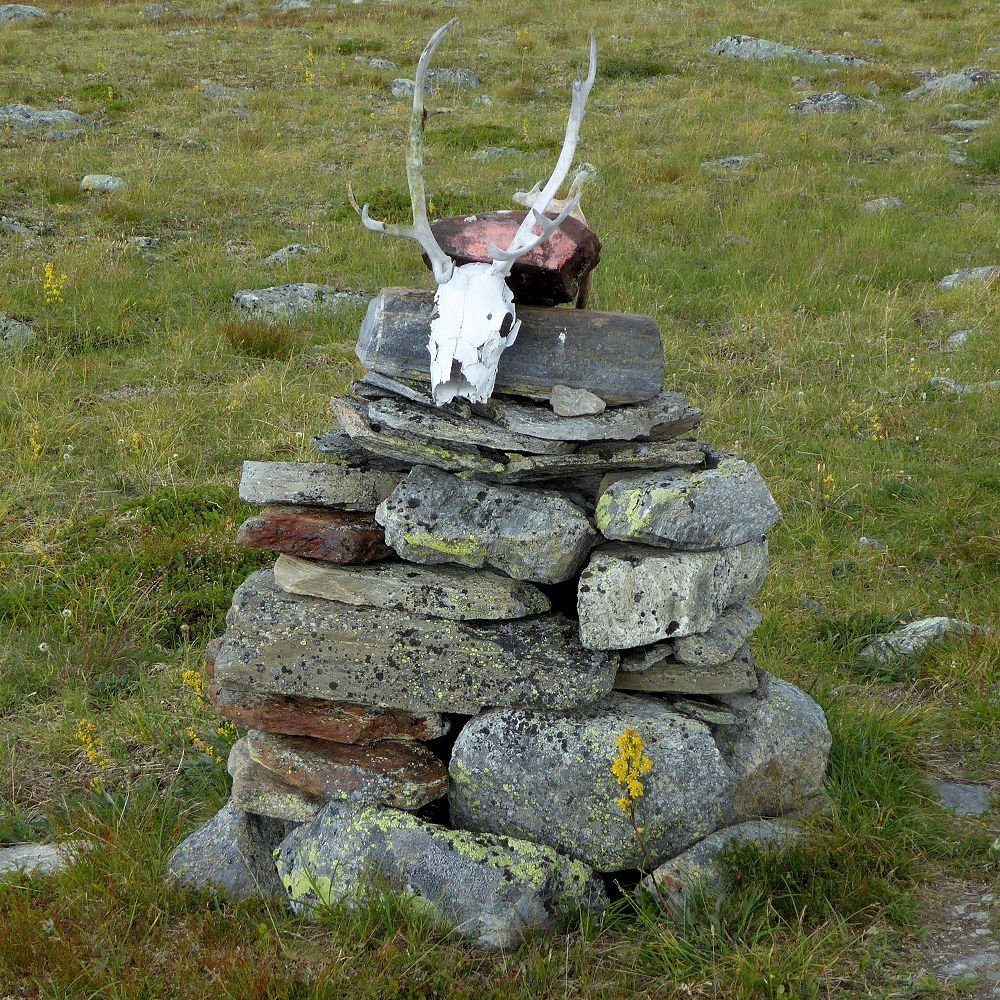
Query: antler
x=525 y=238
x=420 y=231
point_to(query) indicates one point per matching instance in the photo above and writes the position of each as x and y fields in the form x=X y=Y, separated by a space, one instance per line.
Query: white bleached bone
x=474 y=319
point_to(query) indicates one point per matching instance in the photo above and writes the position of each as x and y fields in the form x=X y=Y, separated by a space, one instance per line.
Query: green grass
x=805 y=329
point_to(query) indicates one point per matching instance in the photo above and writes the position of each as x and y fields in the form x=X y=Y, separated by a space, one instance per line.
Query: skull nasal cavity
x=508 y=322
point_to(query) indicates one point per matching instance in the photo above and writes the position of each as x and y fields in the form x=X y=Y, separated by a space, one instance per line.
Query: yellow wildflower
x=629 y=767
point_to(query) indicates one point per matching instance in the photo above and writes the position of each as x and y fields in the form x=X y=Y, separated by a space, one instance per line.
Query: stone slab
x=722 y=641
x=735 y=677
x=307 y=647
x=439 y=592
x=258 y=791
x=433 y=517
x=404 y=775
x=706 y=509
x=333 y=536
x=632 y=595
x=615 y=356
x=965 y=800
x=37 y=859
x=319 y=484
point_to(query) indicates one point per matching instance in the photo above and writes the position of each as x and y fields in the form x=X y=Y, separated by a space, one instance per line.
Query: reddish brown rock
x=316 y=533
x=550 y=274
x=401 y=775
x=335 y=721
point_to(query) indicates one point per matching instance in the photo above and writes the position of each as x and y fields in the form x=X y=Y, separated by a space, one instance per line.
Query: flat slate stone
x=404 y=775
x=441 y=425
x=307 y=647
x=970 y=276
x=546 y=276
x=433 y=517
x=37 y=859
x=24 y=118
x=833 y=102
x=333 y=536
x=259 y=791
x=662 y=418
x=547 y=777
x=633 y=595
x=321 y=719
x=737 y=676
x=616 y=356
x=965 y=800
x=232 y=854
x=707 y=509
x=319 y=484
x=439 y=592
x=954 y=83
x=491 y=889
x=731 y=630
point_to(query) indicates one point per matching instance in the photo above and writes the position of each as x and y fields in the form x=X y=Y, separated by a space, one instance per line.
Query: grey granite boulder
x=635 y=595
x=24 y=118
x=431 y=592
x=433 y=517
x=673 y=882
x=779 y=752
x=288 y=301
x=547 y=777
x=14 y=333
x=954 y=83
x=693 y=511
x=307 y=647
x=753 y=49
x=969 y=276
x=492 y=889
x=232 y=853
x=879 y=205
x=11 y=12
x=722 y=641
x=317 y=484
x=915 y=638
x=403 y=88
x=833 y=102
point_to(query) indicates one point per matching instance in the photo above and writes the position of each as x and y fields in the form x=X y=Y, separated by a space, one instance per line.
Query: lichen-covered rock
x=692 y=511
x=25 y=118
x=431 y=592
x=673 y=882
x=404 y=775
x=320 y=484
x=259 y=791
x=723 y=640
x=490 y=889
x=547 y=777
x=970 y=276
x=38 y=859
x=289 y=301
x=779 y=752
x=636 y=595
x=833 y=102
x=753 y=49
x=14 y=333
x=735 y=676
x=954 y=83
x=307 y=647
x=915 y=638
x=96 y=183
x=10 y=12
x=232 y=853
x=433 y=517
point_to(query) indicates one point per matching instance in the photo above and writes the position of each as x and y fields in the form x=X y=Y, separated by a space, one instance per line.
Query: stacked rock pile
x=470 y=606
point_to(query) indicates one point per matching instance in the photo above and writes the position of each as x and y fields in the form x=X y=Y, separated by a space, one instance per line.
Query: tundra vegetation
x=809 y=330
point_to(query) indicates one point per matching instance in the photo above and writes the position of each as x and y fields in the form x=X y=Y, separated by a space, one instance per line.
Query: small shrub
x=259 y=339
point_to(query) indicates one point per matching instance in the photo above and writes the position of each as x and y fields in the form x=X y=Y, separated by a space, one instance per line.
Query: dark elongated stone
x=616 y=356
x=401 y=775
x=336 y=721
x=307 y=647
x=733 y=677
x=316 y=533
x=547 y=276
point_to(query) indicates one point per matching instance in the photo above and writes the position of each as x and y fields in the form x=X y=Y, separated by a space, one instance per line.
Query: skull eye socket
x=506 y=324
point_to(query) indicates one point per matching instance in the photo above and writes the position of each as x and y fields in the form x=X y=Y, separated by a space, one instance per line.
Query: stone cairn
x=470 y=606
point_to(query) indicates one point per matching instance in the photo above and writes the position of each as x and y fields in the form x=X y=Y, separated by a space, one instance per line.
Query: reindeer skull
x=474 y=319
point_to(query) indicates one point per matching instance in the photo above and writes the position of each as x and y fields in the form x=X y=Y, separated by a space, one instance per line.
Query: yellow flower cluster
x=629 y=767
x=86 y=735
x=54 y=285
x=193 y=680
x=199 y=744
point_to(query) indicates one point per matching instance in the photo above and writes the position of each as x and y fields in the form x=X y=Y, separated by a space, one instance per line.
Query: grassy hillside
x=807 y=329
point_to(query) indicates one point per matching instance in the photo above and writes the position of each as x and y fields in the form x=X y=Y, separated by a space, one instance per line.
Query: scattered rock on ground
x=547 y=777
x=37 y=859
x=102 y=182
x=968 y=276
x=957 y=339
x=381 y=63
x=491 y=889
x=159 y=11
x=13 y=333
x=454 y=77
x=495 y=152
x=287 y=6
x=285 y=254
x=761 y=50
x=915 y=638
x=15 y=228
x=963 y=389
x=732 y=162
x=833 y=102
x=970 y=124
x=954 y=83
x=62 y=123
x=966 y=800
x=19 y=12
x=433 y=517
x=233 y=853
x=879 y=205
x=287 y=301
x=403 y=88
x=699 y=866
